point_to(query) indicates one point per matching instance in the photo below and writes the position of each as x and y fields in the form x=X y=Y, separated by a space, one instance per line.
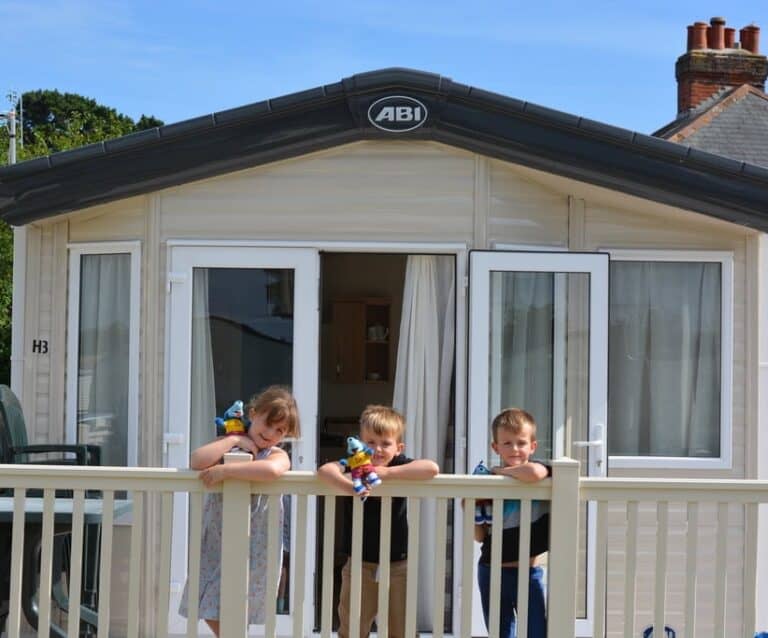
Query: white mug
x=377 y=333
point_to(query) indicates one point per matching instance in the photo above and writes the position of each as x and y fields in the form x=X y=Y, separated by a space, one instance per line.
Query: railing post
x=235 y=558
x=564 y=548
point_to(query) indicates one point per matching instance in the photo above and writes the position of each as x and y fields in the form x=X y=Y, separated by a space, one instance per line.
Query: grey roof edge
x=20 y=184
x=361 y=82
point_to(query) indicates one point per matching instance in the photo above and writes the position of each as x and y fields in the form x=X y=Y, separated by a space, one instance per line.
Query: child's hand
x=244 y=442
x=212 y=475
x=528 y=472
x=382 y=471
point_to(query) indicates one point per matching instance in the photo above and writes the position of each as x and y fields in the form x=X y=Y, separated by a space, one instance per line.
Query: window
x=102 y=349
x=670 y=327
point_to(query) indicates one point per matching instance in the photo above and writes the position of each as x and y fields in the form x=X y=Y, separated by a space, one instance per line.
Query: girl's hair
x=277 y=404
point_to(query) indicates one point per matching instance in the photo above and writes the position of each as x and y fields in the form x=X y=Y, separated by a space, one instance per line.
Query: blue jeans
x=537 y=614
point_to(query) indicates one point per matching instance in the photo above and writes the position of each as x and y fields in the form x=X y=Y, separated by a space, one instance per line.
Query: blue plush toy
x=358 y=460
x=233 y=421
x=483 y=507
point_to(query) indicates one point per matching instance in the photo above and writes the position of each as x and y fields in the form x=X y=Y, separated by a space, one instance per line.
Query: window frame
x=76 y=252
x=725 y=460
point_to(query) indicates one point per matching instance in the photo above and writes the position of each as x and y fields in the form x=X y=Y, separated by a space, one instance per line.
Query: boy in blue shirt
x=514 y=440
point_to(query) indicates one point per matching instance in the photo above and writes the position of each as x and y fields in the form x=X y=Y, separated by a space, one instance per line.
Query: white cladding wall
x=398 y=191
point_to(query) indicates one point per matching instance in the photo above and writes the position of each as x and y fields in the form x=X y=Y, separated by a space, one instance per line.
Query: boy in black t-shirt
x=514 y=440
x=381 y=429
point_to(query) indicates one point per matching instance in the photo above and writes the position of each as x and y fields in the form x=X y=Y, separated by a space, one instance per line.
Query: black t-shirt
x=510 y=543
x=372 y=523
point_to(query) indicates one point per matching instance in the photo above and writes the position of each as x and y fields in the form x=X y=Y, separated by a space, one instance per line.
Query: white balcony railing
x=622 y=506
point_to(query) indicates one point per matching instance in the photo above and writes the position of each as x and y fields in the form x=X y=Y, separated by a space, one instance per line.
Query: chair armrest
x=84 y=454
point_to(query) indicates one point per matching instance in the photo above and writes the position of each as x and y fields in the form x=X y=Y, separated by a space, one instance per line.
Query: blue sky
x=610 y=61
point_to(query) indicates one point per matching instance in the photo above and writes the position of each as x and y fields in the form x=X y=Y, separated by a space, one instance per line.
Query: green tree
x=53 y=122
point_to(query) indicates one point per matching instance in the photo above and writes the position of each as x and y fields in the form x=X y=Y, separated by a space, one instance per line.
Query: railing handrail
x=292 y=482
x=443 y=485
x=663 y=489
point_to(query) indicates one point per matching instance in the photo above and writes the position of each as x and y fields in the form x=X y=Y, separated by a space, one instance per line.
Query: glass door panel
x=538 y=341
x=240 y=342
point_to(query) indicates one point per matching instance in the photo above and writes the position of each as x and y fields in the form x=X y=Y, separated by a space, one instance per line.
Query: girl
x=273 y=415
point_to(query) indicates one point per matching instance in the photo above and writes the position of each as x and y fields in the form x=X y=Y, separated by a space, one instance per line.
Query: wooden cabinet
x=361 y=340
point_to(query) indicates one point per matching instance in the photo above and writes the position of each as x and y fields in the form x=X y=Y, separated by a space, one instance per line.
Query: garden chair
x=15 y=448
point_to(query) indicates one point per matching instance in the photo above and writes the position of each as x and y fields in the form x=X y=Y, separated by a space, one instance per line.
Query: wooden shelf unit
x=361 y=340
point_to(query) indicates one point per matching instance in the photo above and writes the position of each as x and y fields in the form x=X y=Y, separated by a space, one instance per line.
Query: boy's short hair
x=383 y=420
x=278 y=405
x=513 y=419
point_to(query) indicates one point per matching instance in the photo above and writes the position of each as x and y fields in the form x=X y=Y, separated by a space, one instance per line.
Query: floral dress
x=210 y=558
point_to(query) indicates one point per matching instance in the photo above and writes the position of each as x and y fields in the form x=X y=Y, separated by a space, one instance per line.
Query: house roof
x=335 y=114
x=732 y=123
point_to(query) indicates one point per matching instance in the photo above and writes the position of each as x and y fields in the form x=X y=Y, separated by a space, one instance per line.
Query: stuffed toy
x=483 y=507
x=233 y=421
x=359 y=462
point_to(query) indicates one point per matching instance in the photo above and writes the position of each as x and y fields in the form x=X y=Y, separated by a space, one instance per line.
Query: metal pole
x=12 y=136
x=21 y=120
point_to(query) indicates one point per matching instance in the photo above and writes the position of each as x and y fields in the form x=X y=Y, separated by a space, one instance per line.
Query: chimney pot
x=715 y=33
x=706 y=68
x=730 y=37
x=750 y=38
x=699 y=35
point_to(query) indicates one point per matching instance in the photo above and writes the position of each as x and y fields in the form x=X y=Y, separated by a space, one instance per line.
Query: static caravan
x=400 y=238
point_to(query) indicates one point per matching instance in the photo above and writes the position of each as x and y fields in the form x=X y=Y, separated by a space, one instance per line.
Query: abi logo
x=397 y=113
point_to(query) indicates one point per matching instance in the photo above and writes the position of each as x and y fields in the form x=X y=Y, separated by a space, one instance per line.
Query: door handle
x=173 y=438
x=597 y=443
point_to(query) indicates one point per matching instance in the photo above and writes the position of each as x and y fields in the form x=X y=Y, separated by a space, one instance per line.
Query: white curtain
x=665 y=339
x=522 y=327
x=105 y=296
x=203 y=394
x=423 y=378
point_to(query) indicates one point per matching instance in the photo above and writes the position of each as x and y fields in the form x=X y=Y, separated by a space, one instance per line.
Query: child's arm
x=480 y=532
x=211 y=453
x=416 y=470
x=268 y=469
x=333 y=474
x=528 y=472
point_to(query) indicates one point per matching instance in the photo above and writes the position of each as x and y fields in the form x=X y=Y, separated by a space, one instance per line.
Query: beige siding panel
x=364 y=191
x=115 y=221
x=741 y=409
x=58 y=344
x=657 y=227
x=523 y=210
x=38 y=427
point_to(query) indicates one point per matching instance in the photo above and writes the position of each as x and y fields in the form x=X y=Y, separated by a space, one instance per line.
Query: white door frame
x=182 y=260
x=76 y=253
x=596 y=265
x=309 y=413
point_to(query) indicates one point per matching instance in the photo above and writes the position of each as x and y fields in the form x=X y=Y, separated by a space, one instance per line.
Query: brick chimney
x=715 y=61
